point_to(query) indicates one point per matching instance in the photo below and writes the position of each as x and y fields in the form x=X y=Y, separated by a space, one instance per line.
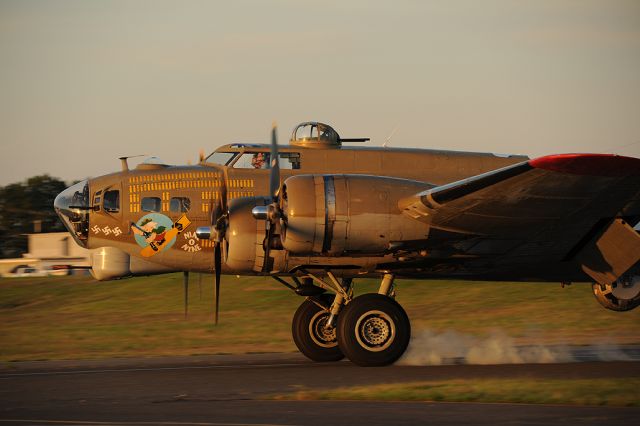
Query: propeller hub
x=260 y=212
x=204 y=232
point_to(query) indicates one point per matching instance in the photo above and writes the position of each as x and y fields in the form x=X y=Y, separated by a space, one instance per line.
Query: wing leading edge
x=554 y=209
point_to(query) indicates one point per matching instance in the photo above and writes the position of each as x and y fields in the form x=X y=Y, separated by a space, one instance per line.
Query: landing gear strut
x=314 y=323
x=311 y=333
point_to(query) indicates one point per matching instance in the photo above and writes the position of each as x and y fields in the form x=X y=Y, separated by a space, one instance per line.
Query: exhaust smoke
x=450 y=347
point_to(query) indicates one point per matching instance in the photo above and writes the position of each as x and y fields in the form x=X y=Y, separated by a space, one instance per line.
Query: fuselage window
x=179 y=205
x=111 y=201
x=222 y=158
x=151 y=204
x=261 y=160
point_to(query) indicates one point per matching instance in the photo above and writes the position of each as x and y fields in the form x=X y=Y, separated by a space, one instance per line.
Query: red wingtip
x=609 y=165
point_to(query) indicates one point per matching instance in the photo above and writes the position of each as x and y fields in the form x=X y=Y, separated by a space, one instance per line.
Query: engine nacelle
x=245 y=235
x=337 y=215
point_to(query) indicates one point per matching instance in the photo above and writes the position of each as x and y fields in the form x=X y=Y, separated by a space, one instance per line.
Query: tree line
x=26 y=207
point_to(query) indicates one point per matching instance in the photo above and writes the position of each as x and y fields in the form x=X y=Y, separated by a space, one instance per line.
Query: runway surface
x=231 y=390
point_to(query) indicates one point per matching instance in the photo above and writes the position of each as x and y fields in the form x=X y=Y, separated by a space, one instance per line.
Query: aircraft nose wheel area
x=373 y=330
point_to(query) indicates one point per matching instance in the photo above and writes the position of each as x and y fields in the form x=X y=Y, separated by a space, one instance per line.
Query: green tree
x=24 y=205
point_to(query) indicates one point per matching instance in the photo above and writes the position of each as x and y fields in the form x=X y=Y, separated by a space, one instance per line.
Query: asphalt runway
x=231 y=390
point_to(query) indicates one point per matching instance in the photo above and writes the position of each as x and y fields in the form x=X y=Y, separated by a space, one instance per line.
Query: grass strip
x=600 y=392
x=76 y=317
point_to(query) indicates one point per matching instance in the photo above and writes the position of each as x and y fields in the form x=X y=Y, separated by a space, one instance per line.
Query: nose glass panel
x=72 y=205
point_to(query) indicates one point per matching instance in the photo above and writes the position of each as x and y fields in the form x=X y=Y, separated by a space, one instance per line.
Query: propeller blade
x=273 y=208
x=185 y=279
x=223 y=190
x=220 y=208
x=266 y=266
x=217 y=259
x=219 y=225
x=274 y=176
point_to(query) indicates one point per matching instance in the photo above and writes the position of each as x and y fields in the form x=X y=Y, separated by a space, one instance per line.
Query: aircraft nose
x=72 y=205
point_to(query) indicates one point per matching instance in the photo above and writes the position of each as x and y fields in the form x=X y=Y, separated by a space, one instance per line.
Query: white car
x=30 y=271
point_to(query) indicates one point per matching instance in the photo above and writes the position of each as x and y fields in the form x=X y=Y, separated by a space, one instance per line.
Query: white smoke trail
x=430 y=348
x=610 y=352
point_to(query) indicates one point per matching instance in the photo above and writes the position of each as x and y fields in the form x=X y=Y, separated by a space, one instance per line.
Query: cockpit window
x=289 y=160
x=253 y=160
x=222 y=158
x=261 y=160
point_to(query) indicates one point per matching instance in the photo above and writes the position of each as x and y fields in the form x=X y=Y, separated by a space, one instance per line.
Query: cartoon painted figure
x=156 y=232
x=149 y=230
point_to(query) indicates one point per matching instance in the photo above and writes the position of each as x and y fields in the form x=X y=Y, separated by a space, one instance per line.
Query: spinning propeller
x=217 y=232
x=273 y=210
x=219 y=223
x=220 y=218
x=271 y=213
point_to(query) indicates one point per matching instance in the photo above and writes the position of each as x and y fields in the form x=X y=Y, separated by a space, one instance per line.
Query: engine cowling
x=338 y=215
x=245 y=235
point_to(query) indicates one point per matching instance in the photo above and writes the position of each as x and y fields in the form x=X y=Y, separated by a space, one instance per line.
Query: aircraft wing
x=559 y=208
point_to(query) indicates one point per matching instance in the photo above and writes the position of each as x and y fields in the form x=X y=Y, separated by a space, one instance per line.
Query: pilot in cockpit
x=258 y=160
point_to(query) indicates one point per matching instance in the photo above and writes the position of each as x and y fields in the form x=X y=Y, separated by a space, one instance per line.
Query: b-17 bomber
x=323 y=211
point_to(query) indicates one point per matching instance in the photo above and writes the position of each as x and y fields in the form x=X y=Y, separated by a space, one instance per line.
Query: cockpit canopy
x=315 y=135
x=310 y=134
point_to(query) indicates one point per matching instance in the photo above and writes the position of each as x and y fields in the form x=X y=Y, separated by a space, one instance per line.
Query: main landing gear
x=373 y=330
x=311 y=333
x=370 y=330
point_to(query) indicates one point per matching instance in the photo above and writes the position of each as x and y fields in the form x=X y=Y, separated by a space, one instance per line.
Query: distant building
x=47 y=250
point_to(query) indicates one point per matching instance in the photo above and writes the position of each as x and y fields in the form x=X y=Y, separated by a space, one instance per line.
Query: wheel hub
x=320 y=334
x=375 y=331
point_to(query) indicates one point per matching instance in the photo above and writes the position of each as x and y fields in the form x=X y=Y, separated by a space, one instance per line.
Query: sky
x=85 y=82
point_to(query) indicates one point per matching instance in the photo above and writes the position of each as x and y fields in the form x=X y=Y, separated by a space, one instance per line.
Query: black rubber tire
x=319 y=348
x=373 y=330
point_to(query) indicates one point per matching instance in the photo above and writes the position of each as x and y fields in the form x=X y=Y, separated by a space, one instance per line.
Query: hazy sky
x=84 y=82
